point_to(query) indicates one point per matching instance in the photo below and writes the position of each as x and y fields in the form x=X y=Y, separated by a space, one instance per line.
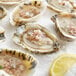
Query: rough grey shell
x=19 y=35
x=3 y=12
x=11 y=3
x=55 y=6
x=25 y=20
x=29 y=61
x=61 y=20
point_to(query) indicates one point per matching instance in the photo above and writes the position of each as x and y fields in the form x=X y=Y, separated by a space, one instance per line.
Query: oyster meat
x=60 y=6
x=66 y=25
x=13 y=63
x=27 y=12
x=36 y=38
x=10 y=2
x=3 y=12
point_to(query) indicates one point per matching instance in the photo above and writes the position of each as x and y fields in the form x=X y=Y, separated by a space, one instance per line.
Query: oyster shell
x=17 y=63
x=27 y=12
x=60 y=6
x=36 y=38
x=2 y=36
x=3 y=12
x=65 y=25
x=10 y=2
x=73 y=3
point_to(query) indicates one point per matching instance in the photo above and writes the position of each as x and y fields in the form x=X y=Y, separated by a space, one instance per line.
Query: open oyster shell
x=65 y=25
x=3 y=12
x=17 y=63
x=36 y=38
x=60 y=6
x=27 y=12
x=10 y=2
x=2 y=36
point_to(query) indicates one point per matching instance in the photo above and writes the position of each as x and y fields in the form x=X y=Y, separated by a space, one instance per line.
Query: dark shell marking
x=22 y=56
x=2 y=36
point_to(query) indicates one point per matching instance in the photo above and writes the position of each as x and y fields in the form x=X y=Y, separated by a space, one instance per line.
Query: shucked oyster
x=35 y=38
x=13 y=63
x=66 y=25
x=3 y=12
x=27 y=12
x=10 y=2
x=60 y=6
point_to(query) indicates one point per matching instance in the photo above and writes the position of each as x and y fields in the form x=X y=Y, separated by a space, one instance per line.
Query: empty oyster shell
x=3 y=12
x=36 y=38
x=2 y=31
x=10 y=2
x=27 y=12
x=17 y=63
x=65 y=25
x=60 y=6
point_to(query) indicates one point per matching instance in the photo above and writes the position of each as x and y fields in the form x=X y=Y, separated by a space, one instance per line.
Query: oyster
x=2 y=31
x=36 y=38
x=3 y=12
x=16 y=63
x=65 y=25
x=61 y=6
x=27 y=12
x=10 y=2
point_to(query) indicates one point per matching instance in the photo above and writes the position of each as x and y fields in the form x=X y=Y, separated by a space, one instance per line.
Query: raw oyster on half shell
x=36 y=38
x=16 y=63
x=60 y=6
x=65 y=25
x=27 y=12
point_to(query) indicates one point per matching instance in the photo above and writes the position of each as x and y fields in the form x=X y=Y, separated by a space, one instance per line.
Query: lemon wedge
x=62 y=64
